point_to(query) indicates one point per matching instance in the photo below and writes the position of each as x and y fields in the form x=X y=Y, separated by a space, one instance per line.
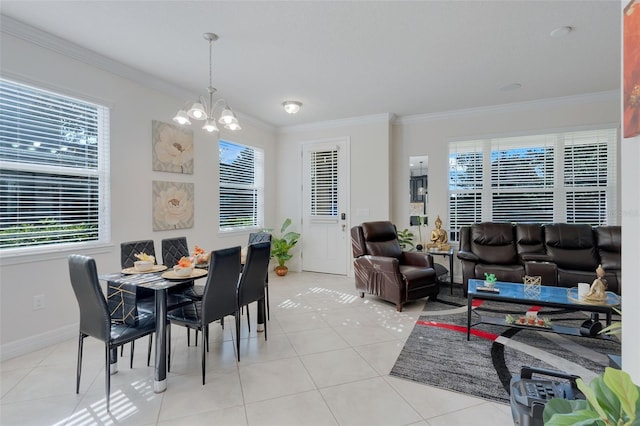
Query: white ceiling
x=347 y=59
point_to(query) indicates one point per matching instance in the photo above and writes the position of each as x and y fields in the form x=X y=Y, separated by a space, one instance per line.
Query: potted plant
x=611 y=399
x=280 y=247
x=490 y=280
x=405 y=239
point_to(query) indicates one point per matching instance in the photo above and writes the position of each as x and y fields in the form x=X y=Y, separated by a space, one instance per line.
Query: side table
x=449 y=254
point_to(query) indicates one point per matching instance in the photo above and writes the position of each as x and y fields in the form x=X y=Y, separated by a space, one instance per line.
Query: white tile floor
x=326 y=362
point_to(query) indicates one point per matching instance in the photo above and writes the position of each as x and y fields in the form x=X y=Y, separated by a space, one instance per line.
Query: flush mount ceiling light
x=561 y=32
x=203 y=110
x=292 y=107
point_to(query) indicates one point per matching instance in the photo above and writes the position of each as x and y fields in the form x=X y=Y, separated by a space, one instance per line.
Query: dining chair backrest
x=254 y=273
x=220 y=291
x=259 y=237
x=173 y=249
x=94 y=313
x=129 y=249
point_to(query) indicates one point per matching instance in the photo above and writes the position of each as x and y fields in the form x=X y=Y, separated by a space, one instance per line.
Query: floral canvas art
x=172 y=205
x=631 y=73
x=172 y=148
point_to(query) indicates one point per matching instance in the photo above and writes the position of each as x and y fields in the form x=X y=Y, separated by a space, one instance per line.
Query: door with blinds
x=325 y=225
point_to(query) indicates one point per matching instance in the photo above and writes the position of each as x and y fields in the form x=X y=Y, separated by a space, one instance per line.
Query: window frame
x=53 y=98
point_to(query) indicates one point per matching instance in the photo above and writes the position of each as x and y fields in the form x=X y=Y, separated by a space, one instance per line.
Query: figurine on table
x=598 y=290
x=439 y=237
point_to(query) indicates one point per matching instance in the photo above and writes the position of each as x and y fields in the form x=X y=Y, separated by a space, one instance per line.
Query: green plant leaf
x=621 y=385
x=562 y=412
x=590 y=394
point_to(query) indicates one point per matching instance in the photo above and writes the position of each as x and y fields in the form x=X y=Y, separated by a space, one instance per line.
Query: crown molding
x=344 y=122
x=64 y=47
x=613 y=95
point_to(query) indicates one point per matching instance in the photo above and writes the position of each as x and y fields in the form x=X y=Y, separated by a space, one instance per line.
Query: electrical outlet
x=38 y=302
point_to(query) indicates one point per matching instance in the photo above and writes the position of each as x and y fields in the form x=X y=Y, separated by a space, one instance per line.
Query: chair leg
x=237 y=315
x=107 y=374
x=264 y=319
x=248 y=320
x=79 y=366
x=169 y=347
x=196 y=333
x=188 y=337
x=205 y=338
x=131 y=360
x=149 y=350
x=266 y=292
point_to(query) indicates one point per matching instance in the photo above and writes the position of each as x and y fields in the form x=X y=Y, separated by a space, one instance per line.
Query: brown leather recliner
x=381 y=267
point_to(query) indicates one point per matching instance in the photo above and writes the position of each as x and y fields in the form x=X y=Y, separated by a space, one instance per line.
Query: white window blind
x=241 y=186
x=54 y=168
x=324 y=183
x=560 y=177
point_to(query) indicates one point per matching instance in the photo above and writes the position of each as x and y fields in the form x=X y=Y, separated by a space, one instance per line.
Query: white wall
x=370 y=169
x=133 y=107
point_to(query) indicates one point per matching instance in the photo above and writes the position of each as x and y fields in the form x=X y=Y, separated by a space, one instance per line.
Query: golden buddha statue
x=439 y=237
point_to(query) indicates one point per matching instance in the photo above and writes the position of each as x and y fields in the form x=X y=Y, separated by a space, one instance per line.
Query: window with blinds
x=324 y=183
x=562 y=177
x=54 y=168
x=241 y=186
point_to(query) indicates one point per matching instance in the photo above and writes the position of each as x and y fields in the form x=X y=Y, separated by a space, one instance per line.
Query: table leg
x=260 y=321
x=160 y=373
x=451 y=273
x=469 y=300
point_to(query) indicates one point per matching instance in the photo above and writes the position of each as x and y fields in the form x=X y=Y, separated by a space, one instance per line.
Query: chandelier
x=204 y=111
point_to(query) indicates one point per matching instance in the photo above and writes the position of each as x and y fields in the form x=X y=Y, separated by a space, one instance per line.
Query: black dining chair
x=95 y=318
x=251 y=285
x=173 y=249
x=218 y=301
x=259 y=237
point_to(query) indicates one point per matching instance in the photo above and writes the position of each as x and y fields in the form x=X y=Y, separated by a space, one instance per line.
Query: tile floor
x=326 y=362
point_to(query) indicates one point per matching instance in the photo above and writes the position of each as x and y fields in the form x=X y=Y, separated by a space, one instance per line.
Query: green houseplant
x=280 y=247
x=405 y=239
x=612 y=399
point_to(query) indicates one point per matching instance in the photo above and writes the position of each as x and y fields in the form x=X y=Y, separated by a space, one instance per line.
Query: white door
x=325 y=225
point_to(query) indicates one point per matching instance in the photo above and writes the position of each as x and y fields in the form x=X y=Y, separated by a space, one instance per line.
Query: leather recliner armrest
x=414 y=258
x=536 y=257
x=467 y=255
x=383 y=264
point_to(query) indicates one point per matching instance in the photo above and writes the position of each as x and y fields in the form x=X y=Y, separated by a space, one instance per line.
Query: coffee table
x=557 y=297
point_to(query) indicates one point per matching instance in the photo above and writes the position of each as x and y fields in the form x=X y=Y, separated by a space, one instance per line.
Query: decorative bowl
x=490 y=284
x=183 y=272
x=143 y=265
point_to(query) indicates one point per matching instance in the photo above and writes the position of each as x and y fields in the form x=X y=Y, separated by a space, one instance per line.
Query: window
x=241 y=186
x=54 y=168
x=324 y=183
x=562 y=177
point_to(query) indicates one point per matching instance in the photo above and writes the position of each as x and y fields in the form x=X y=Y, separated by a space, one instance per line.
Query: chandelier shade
x=204 y=111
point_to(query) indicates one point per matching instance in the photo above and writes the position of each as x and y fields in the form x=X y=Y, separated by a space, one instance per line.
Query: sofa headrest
x=569 y=236
x=529 y=233
x=492 y=234
x=609 y=238
x=381 y=239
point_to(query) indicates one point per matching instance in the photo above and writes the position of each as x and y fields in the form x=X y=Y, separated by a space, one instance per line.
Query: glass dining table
x=127 y=283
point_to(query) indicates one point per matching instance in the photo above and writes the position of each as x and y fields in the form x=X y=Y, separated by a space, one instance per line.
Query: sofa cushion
x=571 y=246
x=529 y=239
x=609 y=243
x=494 y=243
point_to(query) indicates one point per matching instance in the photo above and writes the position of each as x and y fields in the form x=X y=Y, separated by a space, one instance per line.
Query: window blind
x=324 y=183
x=241 y=186
x=54 y=168
x=559 y=177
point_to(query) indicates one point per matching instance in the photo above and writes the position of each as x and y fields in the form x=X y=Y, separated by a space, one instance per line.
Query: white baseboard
x=39 y=341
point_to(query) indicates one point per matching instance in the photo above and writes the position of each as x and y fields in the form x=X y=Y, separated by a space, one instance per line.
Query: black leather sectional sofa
x=562 y=254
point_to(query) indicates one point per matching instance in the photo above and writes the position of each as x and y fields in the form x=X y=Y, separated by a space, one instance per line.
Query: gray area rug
x=437 y=352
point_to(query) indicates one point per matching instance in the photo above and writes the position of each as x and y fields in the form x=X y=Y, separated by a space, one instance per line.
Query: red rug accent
x=461 y=329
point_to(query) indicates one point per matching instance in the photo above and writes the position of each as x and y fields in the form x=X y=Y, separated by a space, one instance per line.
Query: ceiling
x=348 y=59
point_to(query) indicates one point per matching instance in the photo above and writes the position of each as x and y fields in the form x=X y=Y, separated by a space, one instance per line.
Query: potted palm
x=280 y=247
